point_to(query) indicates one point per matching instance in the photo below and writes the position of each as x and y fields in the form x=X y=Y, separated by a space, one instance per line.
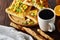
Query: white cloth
x=9 y=33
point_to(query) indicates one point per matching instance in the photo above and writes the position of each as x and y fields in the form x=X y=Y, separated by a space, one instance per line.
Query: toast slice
x=21 y=13
x=18 y=9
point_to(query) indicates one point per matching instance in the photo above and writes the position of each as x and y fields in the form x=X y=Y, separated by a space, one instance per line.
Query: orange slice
x=57 y=10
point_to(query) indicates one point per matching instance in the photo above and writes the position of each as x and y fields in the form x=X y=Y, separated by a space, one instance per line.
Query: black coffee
x=46 y=14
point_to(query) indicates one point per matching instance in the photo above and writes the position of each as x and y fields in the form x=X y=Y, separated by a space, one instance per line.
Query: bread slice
x=39 y=4
x=17 y=9
x=24 y=14
x=20 y=21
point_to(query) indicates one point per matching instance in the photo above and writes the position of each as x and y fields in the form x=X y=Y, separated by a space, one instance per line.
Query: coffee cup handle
x=52 y=27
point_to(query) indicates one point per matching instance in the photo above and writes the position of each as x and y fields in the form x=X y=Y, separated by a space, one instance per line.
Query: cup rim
x=48 y=9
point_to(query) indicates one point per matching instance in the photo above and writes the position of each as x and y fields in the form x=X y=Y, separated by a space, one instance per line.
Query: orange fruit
x=57 y=10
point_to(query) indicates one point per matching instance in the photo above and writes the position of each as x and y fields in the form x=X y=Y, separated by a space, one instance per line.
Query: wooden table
x=4 y=20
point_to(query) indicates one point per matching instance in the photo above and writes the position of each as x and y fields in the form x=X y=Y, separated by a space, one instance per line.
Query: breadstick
x=28 y=30
x=31 y=32
x=44 y=35
x=16 y=26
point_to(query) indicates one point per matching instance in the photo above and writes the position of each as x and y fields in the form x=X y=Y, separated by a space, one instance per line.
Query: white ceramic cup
x=48 y=24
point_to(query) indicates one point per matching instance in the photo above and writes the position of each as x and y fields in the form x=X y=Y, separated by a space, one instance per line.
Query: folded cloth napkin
x=9 y=33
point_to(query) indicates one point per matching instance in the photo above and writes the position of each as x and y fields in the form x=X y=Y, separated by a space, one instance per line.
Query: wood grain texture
x=4 y=20
x=57 y=2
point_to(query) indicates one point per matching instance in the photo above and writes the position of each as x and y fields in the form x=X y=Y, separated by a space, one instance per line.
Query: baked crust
x=27 y=17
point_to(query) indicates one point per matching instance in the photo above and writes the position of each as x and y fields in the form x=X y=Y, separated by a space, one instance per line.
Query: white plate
x=9 y=33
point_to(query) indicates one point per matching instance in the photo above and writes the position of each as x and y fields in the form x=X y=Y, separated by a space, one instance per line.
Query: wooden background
x=4 y=20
